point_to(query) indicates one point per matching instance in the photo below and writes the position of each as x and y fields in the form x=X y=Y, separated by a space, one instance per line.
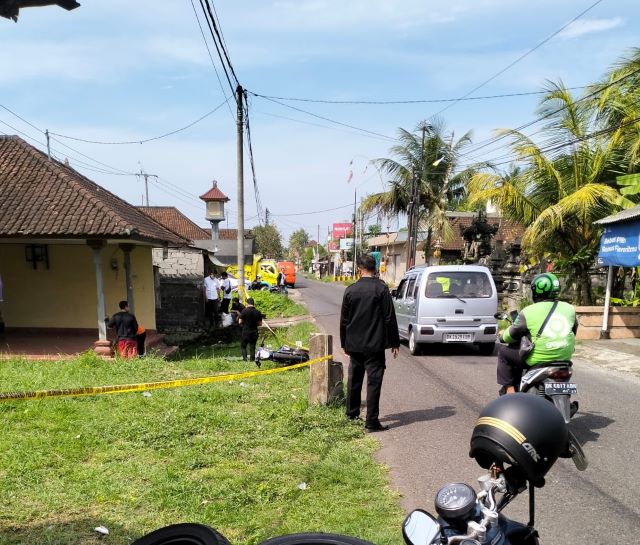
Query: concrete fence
x=624 y=322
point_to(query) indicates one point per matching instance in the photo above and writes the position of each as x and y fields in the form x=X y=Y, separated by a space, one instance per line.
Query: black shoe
x=375 y=427
x=354 y=418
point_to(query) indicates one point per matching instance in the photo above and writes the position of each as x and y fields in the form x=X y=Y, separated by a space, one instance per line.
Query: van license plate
x=551 y=388
x=458 y=337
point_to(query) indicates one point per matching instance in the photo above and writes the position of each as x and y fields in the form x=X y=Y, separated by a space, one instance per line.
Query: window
x=464 y=285
x=401 y=288
x=411 y=284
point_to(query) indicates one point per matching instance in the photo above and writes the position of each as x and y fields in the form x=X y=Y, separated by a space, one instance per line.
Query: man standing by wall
x=126 y=327
x=212 y=298
x=367 y=327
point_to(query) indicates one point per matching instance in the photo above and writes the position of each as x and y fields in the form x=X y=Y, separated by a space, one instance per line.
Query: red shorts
x=127 y=348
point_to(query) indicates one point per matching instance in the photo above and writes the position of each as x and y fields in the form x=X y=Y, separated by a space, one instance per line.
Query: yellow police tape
x=145 y=386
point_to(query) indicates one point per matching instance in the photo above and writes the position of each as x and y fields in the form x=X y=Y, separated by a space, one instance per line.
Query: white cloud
x=590 y=26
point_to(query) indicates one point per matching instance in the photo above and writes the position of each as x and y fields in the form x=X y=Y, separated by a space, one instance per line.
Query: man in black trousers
x=368 y=326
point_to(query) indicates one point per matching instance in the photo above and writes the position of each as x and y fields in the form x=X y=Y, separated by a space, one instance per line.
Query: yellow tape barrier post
x=145 y=386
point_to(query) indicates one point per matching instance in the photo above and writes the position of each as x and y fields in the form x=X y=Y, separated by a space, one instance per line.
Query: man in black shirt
x=250 y=318
x=126 y=327
x=368 y=326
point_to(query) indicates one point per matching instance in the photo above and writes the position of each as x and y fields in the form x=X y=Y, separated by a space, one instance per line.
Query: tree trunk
x=583 y=282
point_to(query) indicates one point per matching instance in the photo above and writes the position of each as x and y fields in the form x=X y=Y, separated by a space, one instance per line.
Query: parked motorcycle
x=517 y=438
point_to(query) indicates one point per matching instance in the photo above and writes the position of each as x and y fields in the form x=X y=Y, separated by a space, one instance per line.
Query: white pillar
x=604 y=333
x=96 y=246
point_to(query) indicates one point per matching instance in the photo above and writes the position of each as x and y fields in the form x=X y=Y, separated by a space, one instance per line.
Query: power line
x=377 y=134
x=417 y=101
x=206 y=44
x=218 y=33
x=226 y=72
x=145 y=140
x=311 y=212
x=600 y=89
x=521 y=57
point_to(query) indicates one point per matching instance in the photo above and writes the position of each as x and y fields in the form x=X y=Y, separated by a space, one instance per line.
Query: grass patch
x=275 y=305
x=230 y=455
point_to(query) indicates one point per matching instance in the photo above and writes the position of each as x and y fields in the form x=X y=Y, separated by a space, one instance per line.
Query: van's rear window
x=465 y=285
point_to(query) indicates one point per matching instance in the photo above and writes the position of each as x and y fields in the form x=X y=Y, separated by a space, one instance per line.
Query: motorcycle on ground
x=517 y=439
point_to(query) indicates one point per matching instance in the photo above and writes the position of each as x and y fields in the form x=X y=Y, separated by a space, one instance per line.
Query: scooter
x=550 y=380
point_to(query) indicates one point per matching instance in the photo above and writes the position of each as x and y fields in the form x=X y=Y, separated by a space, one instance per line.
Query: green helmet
x=544 y=287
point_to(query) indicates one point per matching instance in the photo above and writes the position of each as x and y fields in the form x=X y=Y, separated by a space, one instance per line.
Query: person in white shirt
x=212 y=299
x=226 y=293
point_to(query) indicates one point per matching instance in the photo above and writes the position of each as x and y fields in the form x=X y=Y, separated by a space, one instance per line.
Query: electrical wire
x=377 y=134
x=221 y=41
x=392 y=102
x=600 y=89
x=145 y=140
x=521 y=57
x=311 y=212
x=206 y=44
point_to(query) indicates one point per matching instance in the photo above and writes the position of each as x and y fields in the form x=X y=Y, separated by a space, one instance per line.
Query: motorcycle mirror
x=500 y=316
x=420 y=528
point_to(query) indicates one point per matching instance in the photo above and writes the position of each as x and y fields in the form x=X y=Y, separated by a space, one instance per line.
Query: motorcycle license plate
x=458 y=337
x=551 y=388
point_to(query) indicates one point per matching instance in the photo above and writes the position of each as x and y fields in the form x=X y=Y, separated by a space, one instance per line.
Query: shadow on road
x=396 y=420
x=584 y=424
x=451 y=349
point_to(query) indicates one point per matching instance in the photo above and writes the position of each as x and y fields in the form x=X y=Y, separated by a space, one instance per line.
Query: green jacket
x=558 y=338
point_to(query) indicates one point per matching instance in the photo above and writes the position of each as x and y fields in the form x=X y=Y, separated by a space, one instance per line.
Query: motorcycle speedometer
x=455 y=500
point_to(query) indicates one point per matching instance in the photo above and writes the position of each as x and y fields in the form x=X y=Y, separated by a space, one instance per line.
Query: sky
x=121 y=71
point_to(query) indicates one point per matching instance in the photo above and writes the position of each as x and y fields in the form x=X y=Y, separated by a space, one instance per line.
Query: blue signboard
x=620 y=245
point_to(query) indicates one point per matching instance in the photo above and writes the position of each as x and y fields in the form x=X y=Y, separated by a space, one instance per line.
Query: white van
x=447 y=304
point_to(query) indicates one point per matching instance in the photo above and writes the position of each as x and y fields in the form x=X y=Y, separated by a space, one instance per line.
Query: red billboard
x=341 y=230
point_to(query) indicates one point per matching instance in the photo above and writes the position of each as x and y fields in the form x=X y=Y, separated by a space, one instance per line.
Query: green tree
x=297 y=242
x=558 y=188
x=373 y=230
x=268 y=241
x=432 y=156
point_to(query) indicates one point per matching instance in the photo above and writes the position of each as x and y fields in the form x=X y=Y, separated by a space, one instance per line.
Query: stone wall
x=180 y=279
x=624 y=322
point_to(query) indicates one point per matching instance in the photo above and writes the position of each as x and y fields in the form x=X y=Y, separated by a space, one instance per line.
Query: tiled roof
x=45 y=198
x=214 y=194
x=508 y=230
x=228 y=234
x=174 y=220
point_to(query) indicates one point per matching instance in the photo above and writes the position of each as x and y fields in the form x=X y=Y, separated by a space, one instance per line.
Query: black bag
x=526 y=344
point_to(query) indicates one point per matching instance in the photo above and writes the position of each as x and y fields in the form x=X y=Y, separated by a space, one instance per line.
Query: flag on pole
x=350 y=172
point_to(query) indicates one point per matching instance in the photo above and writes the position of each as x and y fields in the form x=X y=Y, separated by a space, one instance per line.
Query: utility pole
x=146 y=183
x=266 y=217
x=353 y=266
x=414 y=211
x=240 y=247
x=48 y=146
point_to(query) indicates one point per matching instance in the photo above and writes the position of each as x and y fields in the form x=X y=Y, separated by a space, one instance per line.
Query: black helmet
x=545 y=286
x=522 y=430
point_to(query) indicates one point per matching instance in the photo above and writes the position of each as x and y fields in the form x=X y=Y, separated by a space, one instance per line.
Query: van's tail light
x=561 y=374
x=426 y=330
x=490 y=330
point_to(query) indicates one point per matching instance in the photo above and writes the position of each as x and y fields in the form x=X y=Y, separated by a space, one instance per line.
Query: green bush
x=276 y=305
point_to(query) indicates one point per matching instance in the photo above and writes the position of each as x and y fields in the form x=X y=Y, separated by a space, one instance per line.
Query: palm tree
x=561 y=187
x=430 y=156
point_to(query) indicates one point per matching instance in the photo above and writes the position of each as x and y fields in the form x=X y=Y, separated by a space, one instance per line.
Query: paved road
x=432 y=401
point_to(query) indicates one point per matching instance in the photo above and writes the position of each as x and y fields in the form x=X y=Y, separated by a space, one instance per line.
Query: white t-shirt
x=226 y=284
x=211 y=286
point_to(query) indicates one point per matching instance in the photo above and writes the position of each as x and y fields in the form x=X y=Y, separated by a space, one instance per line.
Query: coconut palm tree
x=430 y=156
x=565 y=182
